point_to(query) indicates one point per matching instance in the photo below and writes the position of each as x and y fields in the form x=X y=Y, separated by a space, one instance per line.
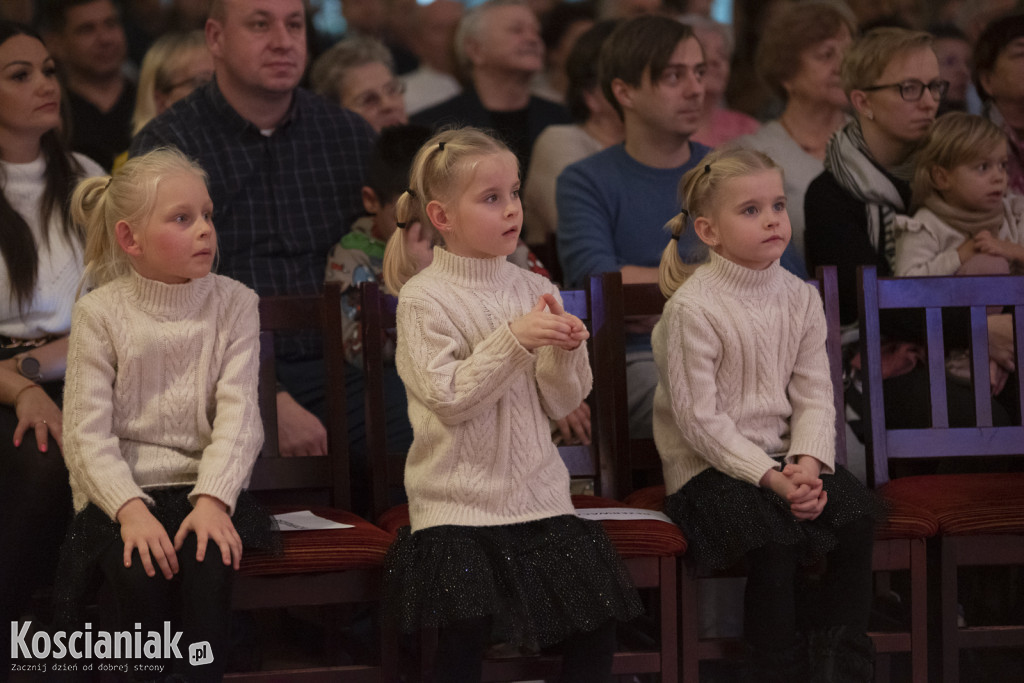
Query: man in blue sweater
x=612 y=206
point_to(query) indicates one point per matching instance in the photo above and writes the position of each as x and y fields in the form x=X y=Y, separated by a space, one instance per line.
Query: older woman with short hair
x=799 y=58
x=359 y=74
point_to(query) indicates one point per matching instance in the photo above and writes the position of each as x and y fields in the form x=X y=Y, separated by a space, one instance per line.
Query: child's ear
x=126 y=239
x=439 y=216
x=371 y=203
x=705 y=231
x=940 y=178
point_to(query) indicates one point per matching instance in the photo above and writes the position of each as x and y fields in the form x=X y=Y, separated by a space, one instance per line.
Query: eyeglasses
x=912 y=90
x=373 y=99
x=192 y=82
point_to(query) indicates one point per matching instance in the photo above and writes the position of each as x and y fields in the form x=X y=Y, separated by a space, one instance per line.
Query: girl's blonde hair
x=437 y=171
x=129 y=195
x=955 y=138
x=699 y=192
x=162 y=62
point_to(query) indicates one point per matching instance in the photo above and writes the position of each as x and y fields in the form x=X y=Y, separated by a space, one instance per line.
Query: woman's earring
x=871 y=117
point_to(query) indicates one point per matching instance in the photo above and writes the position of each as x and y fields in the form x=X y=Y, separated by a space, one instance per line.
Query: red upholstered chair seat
x=328 y=550
x=639 y=538
x=650 y=498
x=967 y=504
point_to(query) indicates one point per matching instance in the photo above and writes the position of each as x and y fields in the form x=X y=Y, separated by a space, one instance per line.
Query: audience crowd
x=605 y=103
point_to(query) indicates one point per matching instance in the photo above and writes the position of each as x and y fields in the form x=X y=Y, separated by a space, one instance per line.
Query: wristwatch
x=29 y=367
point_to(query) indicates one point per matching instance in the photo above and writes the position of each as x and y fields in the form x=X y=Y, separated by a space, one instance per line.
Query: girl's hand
x=542 y=328
x=141 y=530
x=986 y=243
x=418 y=245
x=210 y=521
x=966 y=250
x=37 y=411
x=575 y=427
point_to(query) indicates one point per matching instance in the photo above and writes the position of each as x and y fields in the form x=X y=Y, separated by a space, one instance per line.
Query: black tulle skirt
x=539 y=581
x=92 y=532
x=723 y=518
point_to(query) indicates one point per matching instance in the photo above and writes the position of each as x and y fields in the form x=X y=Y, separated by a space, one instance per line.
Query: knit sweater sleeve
x=237 y=435
x=453 y=385
x=563 y=377
x=91 y=449
x=812 y=423
x=693 y=351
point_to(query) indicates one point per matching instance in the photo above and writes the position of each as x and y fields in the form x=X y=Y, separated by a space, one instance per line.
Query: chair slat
x=979 y=366
x=937 y=369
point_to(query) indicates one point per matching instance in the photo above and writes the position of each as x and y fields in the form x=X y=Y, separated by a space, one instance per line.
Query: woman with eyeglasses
x=359 y=74
x=175 y=65
x=891 y=76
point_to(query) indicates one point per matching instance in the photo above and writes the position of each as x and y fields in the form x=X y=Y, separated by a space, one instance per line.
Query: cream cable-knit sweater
x=161 y=390
x=479 y=402
x=743 y=374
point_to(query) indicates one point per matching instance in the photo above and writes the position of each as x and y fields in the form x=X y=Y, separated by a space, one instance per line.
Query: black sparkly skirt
x=92 y=533
x=539 y=581
x=723 y=518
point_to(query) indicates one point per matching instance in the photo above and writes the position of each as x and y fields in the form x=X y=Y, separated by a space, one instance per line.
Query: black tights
x=586 y=656
x=774 y=609
x=36 y=504
x=196 y=601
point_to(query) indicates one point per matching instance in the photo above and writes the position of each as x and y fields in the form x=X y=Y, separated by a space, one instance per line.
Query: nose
x=928 y=101
x=280 y=39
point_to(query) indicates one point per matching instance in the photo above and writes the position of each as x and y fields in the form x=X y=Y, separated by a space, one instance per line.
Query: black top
x=836 y=233
x=99 y=135
x=519 y=129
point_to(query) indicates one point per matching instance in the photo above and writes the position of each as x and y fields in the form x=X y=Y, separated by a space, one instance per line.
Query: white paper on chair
x=304 y=520
x=628 y=514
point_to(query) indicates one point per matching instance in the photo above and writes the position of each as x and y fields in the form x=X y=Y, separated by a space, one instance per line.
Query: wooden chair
x=649 y=549
x=899 y=541
x=316 y=568
x=980 y=516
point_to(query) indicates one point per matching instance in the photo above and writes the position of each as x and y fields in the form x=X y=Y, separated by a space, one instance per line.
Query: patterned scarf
x=848 y=160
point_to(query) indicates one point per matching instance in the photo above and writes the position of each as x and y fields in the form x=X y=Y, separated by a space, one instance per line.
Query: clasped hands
x=800 y=485
x=549 y=325
x=209 y=520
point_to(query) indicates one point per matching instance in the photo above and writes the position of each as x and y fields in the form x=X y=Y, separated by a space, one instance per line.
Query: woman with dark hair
x=40 y=268
x=595 y=126
x=999 y=77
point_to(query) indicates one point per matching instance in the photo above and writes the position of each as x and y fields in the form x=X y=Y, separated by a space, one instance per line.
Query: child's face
x=485 y=218
x=178 y=243
x=749 y=224
x=978 y=185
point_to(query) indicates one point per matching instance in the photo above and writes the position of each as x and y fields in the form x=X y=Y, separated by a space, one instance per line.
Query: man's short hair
x=643 y=45
x=52 y=15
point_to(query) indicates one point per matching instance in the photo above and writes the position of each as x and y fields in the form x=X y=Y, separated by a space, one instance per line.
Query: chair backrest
x=614 y=304
x=377 y=317
x=320 y=480
x=932 y=295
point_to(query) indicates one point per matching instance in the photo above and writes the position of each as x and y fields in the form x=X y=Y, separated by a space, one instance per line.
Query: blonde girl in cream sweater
x=488 y=356
x=161 y=422
x=745 y=425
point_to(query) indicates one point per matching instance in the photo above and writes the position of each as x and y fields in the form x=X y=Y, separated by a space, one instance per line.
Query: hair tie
x=440 y=146
x=412 y=192
x=401 y=225
x=707 y=168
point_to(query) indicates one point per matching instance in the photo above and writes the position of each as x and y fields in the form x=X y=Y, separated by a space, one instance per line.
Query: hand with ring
x=37 y=411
